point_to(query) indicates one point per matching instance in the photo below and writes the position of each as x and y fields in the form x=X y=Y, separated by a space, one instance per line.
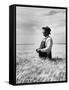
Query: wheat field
x=31 y=69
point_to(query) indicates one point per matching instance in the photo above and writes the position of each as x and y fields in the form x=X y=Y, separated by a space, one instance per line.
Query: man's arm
x=48 y=46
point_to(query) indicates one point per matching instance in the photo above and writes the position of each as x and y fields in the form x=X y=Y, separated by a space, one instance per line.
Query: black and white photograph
x=40 y=45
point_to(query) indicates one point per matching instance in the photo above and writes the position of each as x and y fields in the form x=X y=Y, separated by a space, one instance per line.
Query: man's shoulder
x=49 y=38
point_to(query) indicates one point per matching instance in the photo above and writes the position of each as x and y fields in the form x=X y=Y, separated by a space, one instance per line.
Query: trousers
x=45 y=55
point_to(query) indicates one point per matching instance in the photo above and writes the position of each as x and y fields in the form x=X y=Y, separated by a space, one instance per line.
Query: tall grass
x=31 y=68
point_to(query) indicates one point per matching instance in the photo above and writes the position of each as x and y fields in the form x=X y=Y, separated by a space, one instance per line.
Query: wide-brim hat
x=47 y=29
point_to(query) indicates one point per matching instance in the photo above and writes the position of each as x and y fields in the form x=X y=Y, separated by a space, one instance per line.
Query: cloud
x=52 y=12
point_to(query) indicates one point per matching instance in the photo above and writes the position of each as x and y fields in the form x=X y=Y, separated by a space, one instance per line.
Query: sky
x=29 y=23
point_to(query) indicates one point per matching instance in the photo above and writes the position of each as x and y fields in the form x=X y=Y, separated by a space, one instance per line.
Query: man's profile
x=46 y=45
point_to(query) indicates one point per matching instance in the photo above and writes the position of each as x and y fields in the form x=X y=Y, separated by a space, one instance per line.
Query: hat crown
x=46 y=28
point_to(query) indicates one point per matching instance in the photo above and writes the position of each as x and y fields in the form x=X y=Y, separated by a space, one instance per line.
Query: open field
x=30 y=68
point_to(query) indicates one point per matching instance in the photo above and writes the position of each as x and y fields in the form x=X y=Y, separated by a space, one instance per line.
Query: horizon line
x=35 y=43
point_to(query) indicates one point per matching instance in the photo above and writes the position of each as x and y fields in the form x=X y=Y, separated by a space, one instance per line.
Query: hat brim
x=43 y=27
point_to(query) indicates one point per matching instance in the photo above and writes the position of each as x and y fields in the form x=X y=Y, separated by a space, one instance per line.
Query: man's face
x=44 y=33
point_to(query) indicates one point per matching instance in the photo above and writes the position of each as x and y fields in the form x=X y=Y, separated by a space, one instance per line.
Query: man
x=46 y=44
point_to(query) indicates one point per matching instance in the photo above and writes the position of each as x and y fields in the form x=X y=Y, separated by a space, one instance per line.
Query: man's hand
x=38 y=50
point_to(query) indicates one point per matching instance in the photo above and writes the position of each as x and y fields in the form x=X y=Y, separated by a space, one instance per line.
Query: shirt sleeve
x=48 y=46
